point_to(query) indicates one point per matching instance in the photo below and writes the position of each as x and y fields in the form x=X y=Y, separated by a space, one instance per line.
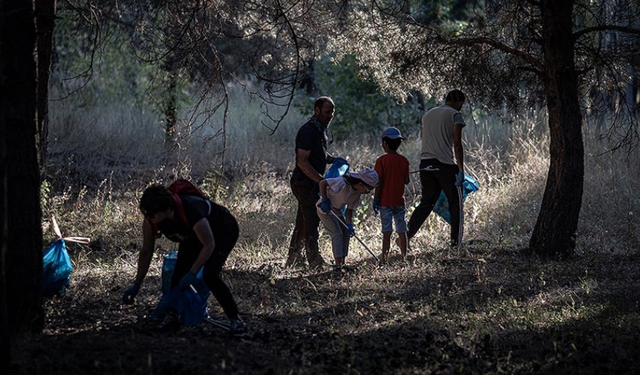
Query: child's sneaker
x=237 y=327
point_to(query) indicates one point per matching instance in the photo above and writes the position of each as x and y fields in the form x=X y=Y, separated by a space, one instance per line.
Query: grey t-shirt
x=437 y=133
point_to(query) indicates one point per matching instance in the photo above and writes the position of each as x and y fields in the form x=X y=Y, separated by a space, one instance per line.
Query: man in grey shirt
x=439 y=169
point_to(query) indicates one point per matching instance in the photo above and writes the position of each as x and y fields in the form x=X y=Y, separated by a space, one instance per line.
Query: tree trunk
x=554 y=235
x=170 y=104
x=171 y=109
x=45 y=22
x=21 y=231
x=5 y=341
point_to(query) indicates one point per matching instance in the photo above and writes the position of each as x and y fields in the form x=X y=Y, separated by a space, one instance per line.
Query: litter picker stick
x=357 y=238
x=426 y=169
x=218 y=323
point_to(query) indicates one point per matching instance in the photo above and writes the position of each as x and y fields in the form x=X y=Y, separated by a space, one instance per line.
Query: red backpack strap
x=180 y=209
x=185 y=187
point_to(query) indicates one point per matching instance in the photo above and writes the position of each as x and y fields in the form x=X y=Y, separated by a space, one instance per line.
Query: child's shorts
x=397 y=213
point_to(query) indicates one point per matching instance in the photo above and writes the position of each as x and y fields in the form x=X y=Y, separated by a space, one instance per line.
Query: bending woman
x=206 y=232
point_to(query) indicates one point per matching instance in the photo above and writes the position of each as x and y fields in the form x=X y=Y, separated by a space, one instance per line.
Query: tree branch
x=294 y=80
x=468 y=41
x=628 y=30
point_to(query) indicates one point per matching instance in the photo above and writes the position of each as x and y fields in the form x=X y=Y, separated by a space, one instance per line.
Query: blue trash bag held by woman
x=189 y=305
x=176 y=299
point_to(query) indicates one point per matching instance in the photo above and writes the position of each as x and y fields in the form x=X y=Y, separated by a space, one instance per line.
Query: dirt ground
x=479 y=311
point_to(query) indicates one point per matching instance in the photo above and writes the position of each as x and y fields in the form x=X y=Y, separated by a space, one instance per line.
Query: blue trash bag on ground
x=57 y=267
x=175 y=299
x=469 y=185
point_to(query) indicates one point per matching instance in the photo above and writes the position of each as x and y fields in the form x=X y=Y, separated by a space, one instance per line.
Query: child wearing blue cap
x=393 y=170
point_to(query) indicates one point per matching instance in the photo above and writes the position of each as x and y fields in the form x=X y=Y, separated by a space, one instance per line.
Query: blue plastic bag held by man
x=469 y=185
x=339 y=167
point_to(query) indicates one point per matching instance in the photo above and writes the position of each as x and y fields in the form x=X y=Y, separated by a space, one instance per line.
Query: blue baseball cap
x=392 y=133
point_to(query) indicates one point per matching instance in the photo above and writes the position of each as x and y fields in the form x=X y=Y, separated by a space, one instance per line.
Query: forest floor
x=470 y=311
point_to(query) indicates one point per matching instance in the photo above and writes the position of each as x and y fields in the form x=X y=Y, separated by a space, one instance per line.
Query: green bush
x=360 y=106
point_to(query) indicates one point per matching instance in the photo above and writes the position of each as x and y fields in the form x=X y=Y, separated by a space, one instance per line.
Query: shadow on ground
x=474 y=312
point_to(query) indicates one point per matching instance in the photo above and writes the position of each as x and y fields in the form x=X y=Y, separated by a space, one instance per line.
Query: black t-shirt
x=310 y=137
x=195 y=208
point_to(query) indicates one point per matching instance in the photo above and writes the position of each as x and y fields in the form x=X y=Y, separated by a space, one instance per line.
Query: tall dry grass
x=529 y=313
x=102 y=158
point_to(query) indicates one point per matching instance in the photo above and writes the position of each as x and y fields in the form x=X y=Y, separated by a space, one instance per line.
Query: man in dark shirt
x=311 y=161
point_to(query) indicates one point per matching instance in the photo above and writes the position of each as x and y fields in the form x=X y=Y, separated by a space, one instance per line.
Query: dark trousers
x=305 y=232
x=188 y=252
x=433 y=182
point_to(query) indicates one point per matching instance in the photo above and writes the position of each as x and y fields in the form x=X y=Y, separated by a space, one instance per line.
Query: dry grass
x=486 y=309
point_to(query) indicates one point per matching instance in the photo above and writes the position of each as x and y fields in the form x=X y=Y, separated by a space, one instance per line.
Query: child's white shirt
x=341 y=194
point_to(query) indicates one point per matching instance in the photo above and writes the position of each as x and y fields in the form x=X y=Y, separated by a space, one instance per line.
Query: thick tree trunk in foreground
x=555 y=232
x=45 y=22
x=5 y=342
x=21 y=232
